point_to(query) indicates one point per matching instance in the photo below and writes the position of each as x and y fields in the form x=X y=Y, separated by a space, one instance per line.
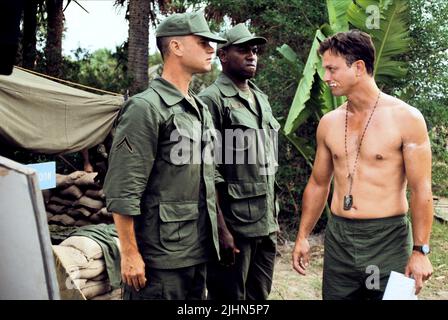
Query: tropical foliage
x=391 y=38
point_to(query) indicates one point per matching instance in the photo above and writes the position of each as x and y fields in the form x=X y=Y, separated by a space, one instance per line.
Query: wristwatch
x=423 y=249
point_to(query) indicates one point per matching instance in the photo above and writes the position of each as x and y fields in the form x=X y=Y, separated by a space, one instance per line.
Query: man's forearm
x=126 y=233
x=422 y=215
x=222 y=226
x=313 y=203
x=132 y=264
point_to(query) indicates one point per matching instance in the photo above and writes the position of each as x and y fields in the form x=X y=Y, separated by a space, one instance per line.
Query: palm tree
x=139 y=11
x=33 y=18
x=55 y=28
x=29 y=34
x=33 y=15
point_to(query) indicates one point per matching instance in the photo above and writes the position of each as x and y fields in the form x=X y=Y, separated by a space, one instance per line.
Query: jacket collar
x=229 y=89
x=172 y=96
x=169 y=93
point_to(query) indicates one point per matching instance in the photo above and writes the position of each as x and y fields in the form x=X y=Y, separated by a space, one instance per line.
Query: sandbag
x=71 y=258
x=60 y=201
x=95 y=288
x=79 y=212
x=76 y=175
x=63 y=219
x=93 y=269
x=73 y=192
x=103 y=212
x=75 y=214
x=89 y=203
x=56 y=208
x=100 y=277
x=89 y=247
x=87 y=181
x=63 y=181
x=96 y=194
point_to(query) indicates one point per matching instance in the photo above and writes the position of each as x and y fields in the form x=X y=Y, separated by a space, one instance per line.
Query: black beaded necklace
x=348 y=199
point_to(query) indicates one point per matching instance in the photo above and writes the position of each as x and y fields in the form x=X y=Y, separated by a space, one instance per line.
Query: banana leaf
x=304 y=147
x=288 y=53
x=391 y=39
x=303 y=92
x=337 y=15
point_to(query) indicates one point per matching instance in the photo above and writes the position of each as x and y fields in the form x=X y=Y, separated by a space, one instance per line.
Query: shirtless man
x=374 y=145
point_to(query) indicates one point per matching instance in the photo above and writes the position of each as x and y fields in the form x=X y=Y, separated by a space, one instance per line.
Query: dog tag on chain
x=348 y=202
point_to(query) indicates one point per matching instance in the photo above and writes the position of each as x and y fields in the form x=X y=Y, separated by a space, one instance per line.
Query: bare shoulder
x=330 y=121
x=405 y=112
x=331 y=118
x=408 y=118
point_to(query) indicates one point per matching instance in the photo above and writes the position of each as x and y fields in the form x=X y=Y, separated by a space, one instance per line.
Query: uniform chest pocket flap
x=185 y=140
x=247 y=201
x=178 y=224
x=243 y=131
x=187 y=127
x=242 y=117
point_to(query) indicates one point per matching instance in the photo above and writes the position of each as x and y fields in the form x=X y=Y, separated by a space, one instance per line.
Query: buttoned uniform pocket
x=178 y=224
x=247 y=201
x=184 y=145
x=241 y=136
x=243 y=118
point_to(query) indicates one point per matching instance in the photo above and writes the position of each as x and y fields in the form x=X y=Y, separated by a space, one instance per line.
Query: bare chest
x=381 y=142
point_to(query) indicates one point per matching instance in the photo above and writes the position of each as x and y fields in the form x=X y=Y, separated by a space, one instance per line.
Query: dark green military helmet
x=239 y=34
x=182 y=24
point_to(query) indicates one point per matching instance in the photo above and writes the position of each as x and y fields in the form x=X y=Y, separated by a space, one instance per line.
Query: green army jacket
x=169 y=192
x=247 y=188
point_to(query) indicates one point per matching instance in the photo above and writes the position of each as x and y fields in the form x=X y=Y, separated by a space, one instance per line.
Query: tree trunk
x=10 y=15
x=138 y=44
x=29 y=34
x=55 y=27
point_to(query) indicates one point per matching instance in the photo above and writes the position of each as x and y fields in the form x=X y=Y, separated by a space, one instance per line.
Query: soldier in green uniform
x=161 y=192
x=245 y=177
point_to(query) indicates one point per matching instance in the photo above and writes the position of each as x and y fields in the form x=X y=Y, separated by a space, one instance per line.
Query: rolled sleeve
x=132 y=157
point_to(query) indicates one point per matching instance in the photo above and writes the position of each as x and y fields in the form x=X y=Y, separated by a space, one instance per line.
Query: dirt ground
x=289 y=285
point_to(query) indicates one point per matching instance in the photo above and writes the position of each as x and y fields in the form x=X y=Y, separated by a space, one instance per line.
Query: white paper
x=400 y=287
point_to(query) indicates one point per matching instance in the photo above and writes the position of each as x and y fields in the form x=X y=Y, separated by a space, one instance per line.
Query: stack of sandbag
x=76 y=201
x=83 y=261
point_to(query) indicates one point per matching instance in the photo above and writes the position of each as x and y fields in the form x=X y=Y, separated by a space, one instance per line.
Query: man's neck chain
x=348 y=199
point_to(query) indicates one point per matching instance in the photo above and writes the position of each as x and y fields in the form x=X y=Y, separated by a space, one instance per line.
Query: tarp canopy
x=45 y=116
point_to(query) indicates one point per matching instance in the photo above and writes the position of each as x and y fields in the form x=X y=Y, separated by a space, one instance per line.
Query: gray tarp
x=48 y=117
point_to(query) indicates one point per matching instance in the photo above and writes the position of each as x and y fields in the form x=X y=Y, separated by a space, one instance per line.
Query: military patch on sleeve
x=125 y=142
